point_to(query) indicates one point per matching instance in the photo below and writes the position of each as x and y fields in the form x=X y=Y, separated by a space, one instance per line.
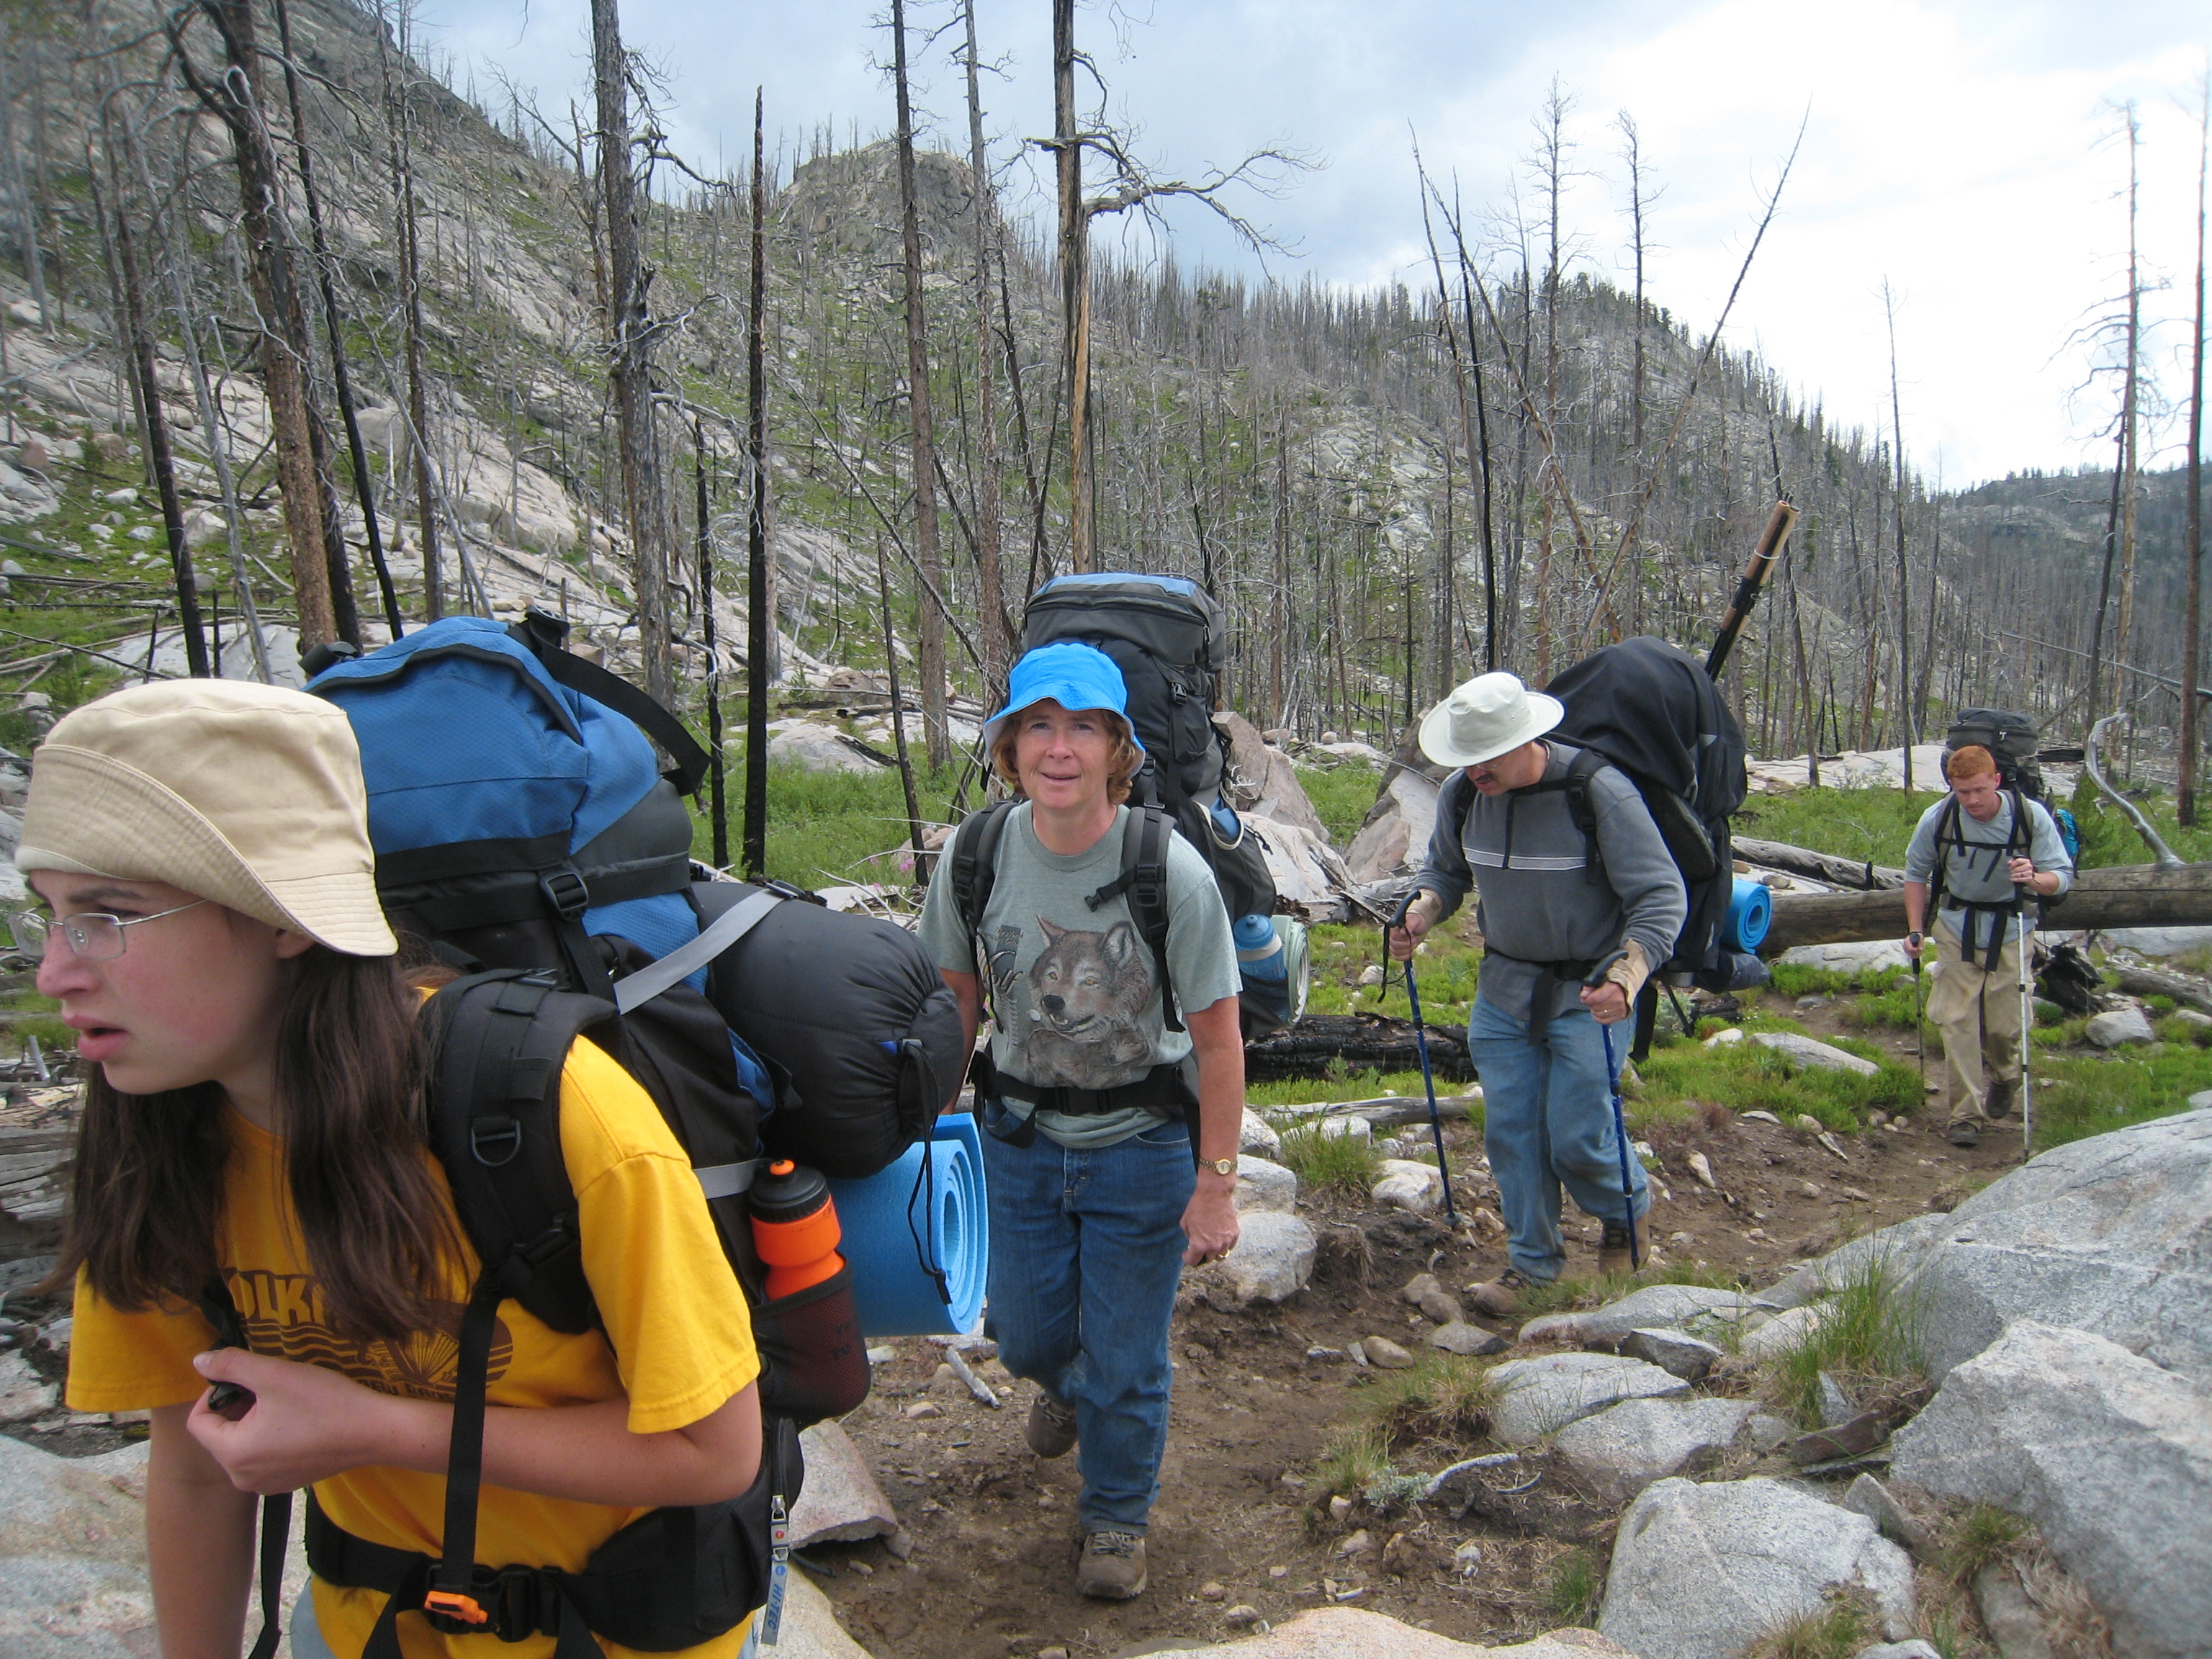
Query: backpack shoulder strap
x=975 y=866
x=1574 y=784
x=1947 y=820
x=1144 y=878
x=543 y=633
x=500 y=1040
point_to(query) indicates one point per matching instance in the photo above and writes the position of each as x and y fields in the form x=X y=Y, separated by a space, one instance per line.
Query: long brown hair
x=349 y=1068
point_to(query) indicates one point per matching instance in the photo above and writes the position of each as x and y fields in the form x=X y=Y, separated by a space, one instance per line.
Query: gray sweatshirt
x=1536 y=900
x=1975 y=872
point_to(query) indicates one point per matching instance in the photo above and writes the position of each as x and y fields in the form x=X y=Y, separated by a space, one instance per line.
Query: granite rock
x=1542 y=1395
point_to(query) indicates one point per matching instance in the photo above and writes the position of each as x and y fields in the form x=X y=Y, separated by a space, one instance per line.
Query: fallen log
x=1361 y=1042
x=2126 y=896
x=2189 y=993
x=1817 y=867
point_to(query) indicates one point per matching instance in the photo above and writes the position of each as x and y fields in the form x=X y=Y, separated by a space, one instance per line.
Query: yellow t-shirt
x=678 y=1344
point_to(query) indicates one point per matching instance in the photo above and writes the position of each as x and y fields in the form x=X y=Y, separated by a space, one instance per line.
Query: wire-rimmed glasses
x=93 y=936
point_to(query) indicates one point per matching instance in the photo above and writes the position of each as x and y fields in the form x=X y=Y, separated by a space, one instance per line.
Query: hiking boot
x=1999 y=1104
x=1500 y=1298
x=1051 y=1429
x=1964 y=1132
x=1113 y=1566
x=1612 y=1252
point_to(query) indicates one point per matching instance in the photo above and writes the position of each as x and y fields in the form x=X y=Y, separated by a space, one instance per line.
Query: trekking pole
x=1421 y=1043
x=2026 y=1035
x=1619 y=1117
x=1919 y=1020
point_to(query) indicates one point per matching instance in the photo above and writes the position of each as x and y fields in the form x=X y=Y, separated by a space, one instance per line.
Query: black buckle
x=512 y=1603
x=495 y=1140
x=785 y=890
x=551 y=1242
x=564 y=890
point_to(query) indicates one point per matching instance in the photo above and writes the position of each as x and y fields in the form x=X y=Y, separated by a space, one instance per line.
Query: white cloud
x=1959 y=149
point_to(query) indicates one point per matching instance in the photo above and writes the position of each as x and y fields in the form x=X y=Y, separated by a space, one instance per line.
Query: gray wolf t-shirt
x=1073 y=990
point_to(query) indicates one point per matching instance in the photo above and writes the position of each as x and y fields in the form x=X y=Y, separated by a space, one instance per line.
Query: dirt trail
x=994 y=1527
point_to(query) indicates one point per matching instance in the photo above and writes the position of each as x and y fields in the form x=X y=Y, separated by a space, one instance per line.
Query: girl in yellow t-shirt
x=254 y=1118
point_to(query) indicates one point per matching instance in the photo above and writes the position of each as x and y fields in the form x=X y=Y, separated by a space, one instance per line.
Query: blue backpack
x=526 y=835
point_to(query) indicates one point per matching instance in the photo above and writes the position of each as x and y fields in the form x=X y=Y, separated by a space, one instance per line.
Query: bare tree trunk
x=930 y=655
x=2192 y=637
x=341 y=382
x=2122 y=633
x=398 y=115
x=158 y=453
x=759 y=624
x=1632 y=153
x=999 y=639
x=1074 y=284
x=235 y=99
x=1907 y=715
x=630 y=353
x=717 y=801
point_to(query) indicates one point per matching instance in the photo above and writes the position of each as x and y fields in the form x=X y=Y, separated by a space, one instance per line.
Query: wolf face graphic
x=1087 y=992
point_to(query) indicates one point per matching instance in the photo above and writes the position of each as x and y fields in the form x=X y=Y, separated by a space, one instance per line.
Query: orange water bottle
x=795 y=1228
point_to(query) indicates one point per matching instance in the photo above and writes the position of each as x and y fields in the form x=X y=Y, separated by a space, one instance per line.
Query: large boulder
x=1261 y=1185
x=1540 y=1396
x=1811 y=1051
x=2109 y=1455
x=817 y=749
x=73 y=1555
x=1395 y=837
x=1272 y=1260
x=1697 y=1308
x=2111 y=1234
x=1623 y=1449
x=1353 y=1633
x=1701 y=1571
x=1261 y=780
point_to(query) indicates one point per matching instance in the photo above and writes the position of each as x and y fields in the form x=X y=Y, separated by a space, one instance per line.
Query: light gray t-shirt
x=1071 y=990
x=1974 y=864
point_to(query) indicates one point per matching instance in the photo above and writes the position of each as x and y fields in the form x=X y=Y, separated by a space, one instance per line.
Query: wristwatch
x=1222 y=1166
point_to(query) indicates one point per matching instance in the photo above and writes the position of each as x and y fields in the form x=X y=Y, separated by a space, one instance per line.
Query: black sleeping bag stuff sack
x=847 y=1012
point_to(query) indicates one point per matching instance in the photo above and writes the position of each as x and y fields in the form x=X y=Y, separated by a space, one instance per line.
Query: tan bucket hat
x=1485 y=717
x=248 y=794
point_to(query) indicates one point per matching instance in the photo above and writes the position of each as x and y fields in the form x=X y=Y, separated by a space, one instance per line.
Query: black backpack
x=1163 y=632
x=1168 y=638
x=760 y=1023
x=2012 y=739
x=1650 y=711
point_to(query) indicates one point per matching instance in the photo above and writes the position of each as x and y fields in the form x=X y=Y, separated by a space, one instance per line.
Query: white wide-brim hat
x=1485 y=717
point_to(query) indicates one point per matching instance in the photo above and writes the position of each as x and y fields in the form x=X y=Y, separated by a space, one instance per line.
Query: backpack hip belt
x=1550 y=975
x=1973 y=911
x=1163 y=1087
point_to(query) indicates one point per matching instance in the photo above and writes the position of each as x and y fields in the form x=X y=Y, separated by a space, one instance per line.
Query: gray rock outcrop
x=1811 y=1051
x=1352 y=1633
x=1674 y=1352
x=1699 y=1309
x=816 y=748
x=1703 y=1570
x=2119 y=1026
x=841 y=1502
x=1254 y=1136
x=1542 y=1395
x=1623 y=1449
x=1273 y=1258
x=1406 y=1185
x=1264 y=1186
x=2109 y=1456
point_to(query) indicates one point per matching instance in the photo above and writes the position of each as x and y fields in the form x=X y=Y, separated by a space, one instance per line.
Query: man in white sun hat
x=1552 y=903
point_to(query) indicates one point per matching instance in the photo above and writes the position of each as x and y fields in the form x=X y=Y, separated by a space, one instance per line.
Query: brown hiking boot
x=1051 y=1428
x=1963 y=1132
x=1999 y=1103
x=1113 y=1566
x=1612 y=1252
x=1500 y=1298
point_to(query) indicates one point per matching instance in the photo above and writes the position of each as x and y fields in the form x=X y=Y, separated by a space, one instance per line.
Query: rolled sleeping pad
x=891 y=1286
x=1750 y=914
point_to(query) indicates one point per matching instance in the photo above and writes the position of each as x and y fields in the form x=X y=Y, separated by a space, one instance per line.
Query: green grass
x=1341 y=796
x=1873 y=1332
x=1866 y=824
x=1680 y=1075
x=1443 y=1396
x=1339 y=1083
x=1576 y=1588
x=826 y=828
x=1445 y=974
x=1837 y=1631
x=2080 y=1094
x=1355 y=1456
x=1342 y=1164
x=1983 y=1535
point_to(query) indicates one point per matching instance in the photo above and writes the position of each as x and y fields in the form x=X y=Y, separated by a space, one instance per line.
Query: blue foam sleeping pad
x=1750 y=914
x=893 y=1288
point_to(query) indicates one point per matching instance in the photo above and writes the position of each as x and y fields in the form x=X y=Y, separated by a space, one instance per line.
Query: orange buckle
x=453 y=1604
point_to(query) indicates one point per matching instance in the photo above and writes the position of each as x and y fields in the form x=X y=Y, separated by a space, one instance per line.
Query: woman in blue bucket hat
x=1086 y=1092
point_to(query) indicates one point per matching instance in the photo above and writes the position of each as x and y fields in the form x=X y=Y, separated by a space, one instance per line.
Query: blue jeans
x=1547 y=1115
x=1086 y=1250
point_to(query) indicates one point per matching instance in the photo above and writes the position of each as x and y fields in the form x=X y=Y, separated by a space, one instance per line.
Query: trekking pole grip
x=1597 y=974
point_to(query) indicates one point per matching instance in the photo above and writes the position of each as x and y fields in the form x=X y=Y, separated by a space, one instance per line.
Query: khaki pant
x=1977 y=1011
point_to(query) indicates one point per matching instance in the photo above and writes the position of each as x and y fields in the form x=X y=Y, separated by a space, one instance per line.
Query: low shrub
x=1344 y=1164
x=1576 y=1589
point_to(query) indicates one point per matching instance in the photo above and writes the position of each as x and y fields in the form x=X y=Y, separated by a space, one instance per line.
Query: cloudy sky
x=1967 y=152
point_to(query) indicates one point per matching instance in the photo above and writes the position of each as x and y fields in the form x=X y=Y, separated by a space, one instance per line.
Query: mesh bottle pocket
x=814 y=1361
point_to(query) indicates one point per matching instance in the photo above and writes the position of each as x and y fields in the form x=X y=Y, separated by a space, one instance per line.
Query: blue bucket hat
x=1072 y=675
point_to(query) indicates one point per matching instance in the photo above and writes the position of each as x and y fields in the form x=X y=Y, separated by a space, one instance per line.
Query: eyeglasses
x=94 y=936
